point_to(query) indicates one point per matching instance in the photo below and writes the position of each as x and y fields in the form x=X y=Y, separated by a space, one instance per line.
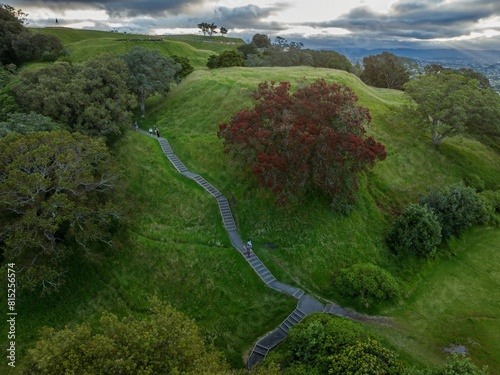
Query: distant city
x=485 y=62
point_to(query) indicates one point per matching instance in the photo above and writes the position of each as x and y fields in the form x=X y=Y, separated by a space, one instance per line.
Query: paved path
x=306 y=304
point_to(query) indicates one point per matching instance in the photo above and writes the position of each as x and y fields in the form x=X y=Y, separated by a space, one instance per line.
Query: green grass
x=177 y=248
x=84 y=44
x=457 y=301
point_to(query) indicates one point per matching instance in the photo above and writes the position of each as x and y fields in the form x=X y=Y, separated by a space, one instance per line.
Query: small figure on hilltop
x=248 y=248
x=151 y=132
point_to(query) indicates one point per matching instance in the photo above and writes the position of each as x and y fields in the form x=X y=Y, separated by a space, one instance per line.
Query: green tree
x=11 y=25
x=150 y=74
x=367 y=283
x=27 y=122
x=186 y=67
x=456 y=364
x=261 y=41
x=91 y=98
x=164 y=342
x=30 y=46
x=386 y=70
x=456 y=208
x=323 y=344
x=443 y=102
x=56 y=197
x=416 y=231
x=226 y=59
x=9 y=104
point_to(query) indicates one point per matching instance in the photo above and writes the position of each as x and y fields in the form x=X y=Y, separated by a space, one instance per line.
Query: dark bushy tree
x=24 y=123
x=56 y=189
x=323 y=344
x=456 y=208
x=91 y=98
x=261 y=41
x=311 y=139
x=11 y=25
x=416 y=231
x=165 y=342
x=150 y=73
x=226 y=59
x=186 y=70
x=367 y=283
x=386 y=70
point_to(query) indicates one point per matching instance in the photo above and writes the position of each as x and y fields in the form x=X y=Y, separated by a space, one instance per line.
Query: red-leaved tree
x=311 y=139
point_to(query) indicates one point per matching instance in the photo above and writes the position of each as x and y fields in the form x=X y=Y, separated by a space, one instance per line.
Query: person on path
x=150 y=132
x=248 y=248
x=136 y=126
x=157 y=131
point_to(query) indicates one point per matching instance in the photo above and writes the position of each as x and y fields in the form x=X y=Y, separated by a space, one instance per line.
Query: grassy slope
x=177 y=249
x=312 y=241
x=81 y=44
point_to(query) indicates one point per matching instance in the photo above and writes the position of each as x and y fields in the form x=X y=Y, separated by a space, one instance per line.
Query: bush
x=225 y=60
x=367 y=283
x=417 y=231
x=457 y=208
x=474 y=181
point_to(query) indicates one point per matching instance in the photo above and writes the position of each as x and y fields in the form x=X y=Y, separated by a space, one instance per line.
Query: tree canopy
x=150 y=73
x=56 y=194
x=311 y=139
x=91 y=98
x=386 y=70
x=449 y=103
x=164 y=342
x=323 y=344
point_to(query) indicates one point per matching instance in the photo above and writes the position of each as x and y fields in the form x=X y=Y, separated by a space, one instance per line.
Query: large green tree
x=323 y=344
x=386 y=70
x=11 y=25
x=91 y=98
x=443 y=102
x=150 y=74
x=56 y=198
x=164 y=342
x=24 y=123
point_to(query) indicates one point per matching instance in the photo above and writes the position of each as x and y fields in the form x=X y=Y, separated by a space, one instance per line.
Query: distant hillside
x=83 y=44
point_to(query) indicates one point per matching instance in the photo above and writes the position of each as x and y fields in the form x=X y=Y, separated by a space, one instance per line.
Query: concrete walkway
x=306 y=304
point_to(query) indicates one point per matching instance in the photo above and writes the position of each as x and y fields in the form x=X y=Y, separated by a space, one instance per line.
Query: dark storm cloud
x=421 y=20
x=250 y=16
x=129 y=8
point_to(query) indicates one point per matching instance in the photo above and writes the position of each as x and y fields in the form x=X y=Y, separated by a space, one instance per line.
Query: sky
x=318 y=24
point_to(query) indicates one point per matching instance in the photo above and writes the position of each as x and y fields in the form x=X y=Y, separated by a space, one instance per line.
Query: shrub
x=457 y=208
x=474 y=181
x=417 y=231
x=367 y=283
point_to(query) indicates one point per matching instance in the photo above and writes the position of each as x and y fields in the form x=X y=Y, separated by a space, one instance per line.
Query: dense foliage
x=165 y=342
x=386 y=70
x=323 y=344
x=91 y=98
x=456 y=208
x=367 y=284
x=149 y=73
x=450 y=103
x=27 y=122
x=56 y=197
x=18 y=45
x=311 y=139
x=225 y=60
x=416 y=231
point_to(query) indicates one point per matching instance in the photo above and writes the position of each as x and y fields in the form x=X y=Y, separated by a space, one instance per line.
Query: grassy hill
x=82 y=44
x=176 y=248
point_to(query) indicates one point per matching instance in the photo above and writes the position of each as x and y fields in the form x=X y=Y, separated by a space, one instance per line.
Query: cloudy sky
x=316 y=23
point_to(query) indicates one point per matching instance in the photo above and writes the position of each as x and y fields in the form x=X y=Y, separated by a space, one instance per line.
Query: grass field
x=177 y=249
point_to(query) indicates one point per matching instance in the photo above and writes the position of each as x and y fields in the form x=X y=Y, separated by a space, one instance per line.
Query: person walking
x=157 y=131
x=136 y=126
x=248 y=248
x=151 y=132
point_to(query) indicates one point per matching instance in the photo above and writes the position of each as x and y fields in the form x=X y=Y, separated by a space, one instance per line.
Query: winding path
x=306 y=304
